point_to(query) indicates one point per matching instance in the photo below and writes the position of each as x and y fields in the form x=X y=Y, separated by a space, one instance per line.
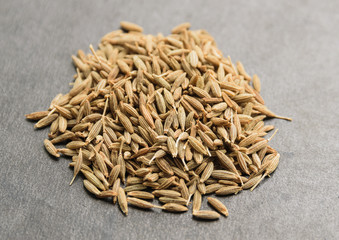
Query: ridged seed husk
x=140 y=203
x=219 y=206
x=228 y=190
x=122 y=201
x=141 y=194
x=174 y=207
x=206 y=215
x=51 y=148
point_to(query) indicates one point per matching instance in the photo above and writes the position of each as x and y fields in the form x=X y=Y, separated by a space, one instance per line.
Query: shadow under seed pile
x=166 y=117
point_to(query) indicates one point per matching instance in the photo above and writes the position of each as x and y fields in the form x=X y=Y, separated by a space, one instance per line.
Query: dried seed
x=91 y=188
x=141 y=203
x=219 y=206
x=166 y=193
x=206 y=215
x=37 y=115
x=51 y=148
x=46 y=121
x=174 y=207
x=122 y=201
x=228 y=190
x=141 y=194
x=196 y=201
x=77 y=165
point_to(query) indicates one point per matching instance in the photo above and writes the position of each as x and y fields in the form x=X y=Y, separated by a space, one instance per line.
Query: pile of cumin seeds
x=162 y=117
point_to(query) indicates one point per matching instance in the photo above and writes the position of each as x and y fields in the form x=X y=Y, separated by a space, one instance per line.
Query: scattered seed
x=206 y=215
x=219 y=206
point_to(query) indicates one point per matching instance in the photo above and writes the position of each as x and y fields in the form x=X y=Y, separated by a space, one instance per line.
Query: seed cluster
x=166 y=117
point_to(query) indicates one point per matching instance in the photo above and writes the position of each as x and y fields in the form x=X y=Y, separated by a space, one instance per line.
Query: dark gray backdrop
x=291 y=45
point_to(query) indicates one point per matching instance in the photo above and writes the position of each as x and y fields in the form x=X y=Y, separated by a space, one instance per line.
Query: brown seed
x=141 y=203
x=166 y=193
x=219 y=206
x=177 y=200
x=125 y=121
x=141 y=194
x=136 y=187
x=174 y=207
x=226 y=161
x=207 y=172
x=77 y=166
x=46 y=121
x=256 y=83
x=122 y=201
x=198 y=146
x=128 y=26
x=206 y=215
x=91 y=188
x=115 y=188
x=196 y=201
x=107 y=194
x=228 y=190
x=51 y=148
x=95 y=130
x=37 y=115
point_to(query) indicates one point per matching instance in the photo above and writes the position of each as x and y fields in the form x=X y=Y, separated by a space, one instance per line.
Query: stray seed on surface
x=206 y=215
x=219 y=206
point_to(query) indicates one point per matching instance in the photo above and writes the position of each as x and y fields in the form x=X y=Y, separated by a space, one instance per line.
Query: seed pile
x=165 y=117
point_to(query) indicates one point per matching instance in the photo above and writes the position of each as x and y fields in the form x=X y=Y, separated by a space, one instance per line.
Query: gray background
x=292 y=45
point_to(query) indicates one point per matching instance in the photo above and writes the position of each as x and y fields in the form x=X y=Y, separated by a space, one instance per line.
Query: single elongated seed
x=107 y=194
x=198 y=146
x=206 y=215
x=63 y=137
x=207 y=172
x=164 y=166
x=46 y=121
x=166 y=193
x=128 y=26
x=77 y=166
x=91 y=188
x=242 y=163
x=177 y=200
x=172 y=146
x=95 y=130
x=115 y=188
x=193 y=59
x=122 y=201
x=226 y=161
x=219 y=206
x=136 y=187
x=141 y=203
x=37 y=115
x=184 y=189
x=141 y=194
x=174 y=207
x=228 y=190
x=125 y=121
x=250 y=183
x=256 y=82
x=51 y=148
x=196 y=201
x=75 y=144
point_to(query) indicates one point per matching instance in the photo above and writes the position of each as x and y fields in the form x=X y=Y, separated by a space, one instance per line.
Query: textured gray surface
x=291 y=45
